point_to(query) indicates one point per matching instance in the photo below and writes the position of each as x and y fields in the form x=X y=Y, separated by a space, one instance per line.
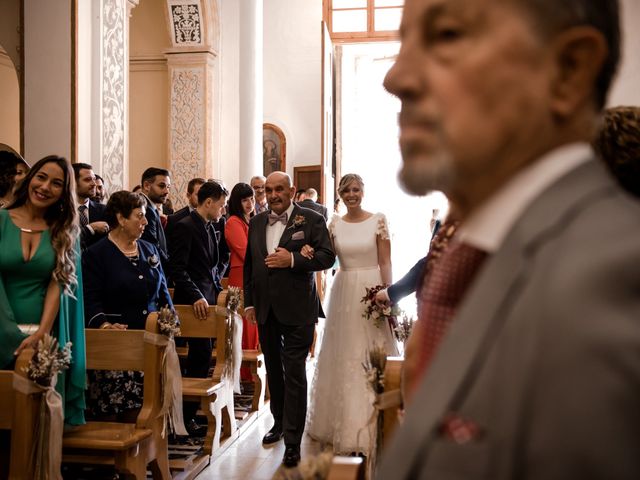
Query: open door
x=328 y=144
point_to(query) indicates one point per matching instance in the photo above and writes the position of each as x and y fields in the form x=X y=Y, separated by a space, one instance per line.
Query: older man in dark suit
x=530 y=320
x=280 y=295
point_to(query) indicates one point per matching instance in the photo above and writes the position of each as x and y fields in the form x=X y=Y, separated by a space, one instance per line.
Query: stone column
x=114 y=93
x=192 y=66
x=251 y=88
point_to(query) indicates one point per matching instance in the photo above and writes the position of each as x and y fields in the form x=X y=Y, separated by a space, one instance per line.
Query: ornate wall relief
x=114 y=95
x=186 y=22
x=188 y=128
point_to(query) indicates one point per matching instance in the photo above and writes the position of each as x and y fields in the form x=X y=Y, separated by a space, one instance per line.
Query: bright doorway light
x=369 y=132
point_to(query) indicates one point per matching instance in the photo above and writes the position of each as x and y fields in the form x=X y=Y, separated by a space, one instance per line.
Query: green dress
x=23 y=286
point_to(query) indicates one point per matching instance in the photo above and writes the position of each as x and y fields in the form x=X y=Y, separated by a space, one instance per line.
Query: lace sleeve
x=383 y=227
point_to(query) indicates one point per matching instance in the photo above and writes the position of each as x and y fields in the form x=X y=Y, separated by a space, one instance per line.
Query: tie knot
x=82 y=208
x=275 y=218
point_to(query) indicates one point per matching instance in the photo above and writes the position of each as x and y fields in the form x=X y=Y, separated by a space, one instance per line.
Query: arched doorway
x=10 y=101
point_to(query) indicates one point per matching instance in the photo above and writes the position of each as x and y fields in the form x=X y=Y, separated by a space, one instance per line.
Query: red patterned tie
x=444 y=286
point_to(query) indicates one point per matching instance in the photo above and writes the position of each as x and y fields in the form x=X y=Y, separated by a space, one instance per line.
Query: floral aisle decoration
x=171 y=411
x=233 y=343
x=47 y=362
x=374 y=366
x=403 y=330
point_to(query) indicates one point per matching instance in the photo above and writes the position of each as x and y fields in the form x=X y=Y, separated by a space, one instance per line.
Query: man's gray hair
x=554 y=16
x=257 y=177
x=311 y=193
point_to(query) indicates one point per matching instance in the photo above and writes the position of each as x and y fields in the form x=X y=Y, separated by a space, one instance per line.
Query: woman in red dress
x=241 y=209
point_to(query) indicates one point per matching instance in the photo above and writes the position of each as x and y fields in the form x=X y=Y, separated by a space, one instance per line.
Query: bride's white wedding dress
x=341 y=401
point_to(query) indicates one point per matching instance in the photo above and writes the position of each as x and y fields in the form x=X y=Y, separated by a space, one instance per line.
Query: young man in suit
x=155 y=186
x=196 y=256
x=192 y=203
x=280 y=295
x=536 y=374
x=93 y=226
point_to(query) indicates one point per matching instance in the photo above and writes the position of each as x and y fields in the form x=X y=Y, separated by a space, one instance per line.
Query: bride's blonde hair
x=346 y=179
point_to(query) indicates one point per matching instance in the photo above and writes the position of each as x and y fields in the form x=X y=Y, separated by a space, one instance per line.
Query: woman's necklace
x=126 y=253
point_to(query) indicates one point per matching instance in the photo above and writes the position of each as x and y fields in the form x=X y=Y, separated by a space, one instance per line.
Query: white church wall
x=626 y=88
x=292 y=76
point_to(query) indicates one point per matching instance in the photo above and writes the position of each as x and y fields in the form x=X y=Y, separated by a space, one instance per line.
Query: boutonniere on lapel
x=298 y=221
x=154 y=261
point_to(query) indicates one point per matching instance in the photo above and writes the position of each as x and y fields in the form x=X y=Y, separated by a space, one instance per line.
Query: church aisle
x=248 y=459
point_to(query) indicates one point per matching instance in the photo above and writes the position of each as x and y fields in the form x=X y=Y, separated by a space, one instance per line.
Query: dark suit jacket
x=290 y=292
x=175 y=218
x=407 y=284
x=315 y=206
x=119 y=291
x=96 y=214
x=193 y=265
x=154 y=233
x=542 y=357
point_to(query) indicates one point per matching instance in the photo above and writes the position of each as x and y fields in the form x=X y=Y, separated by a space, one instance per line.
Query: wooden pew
x=392 y=381
x=347 y=468
x=215 y=396
x=131 y=447
x=254 y=360
x=18 y=413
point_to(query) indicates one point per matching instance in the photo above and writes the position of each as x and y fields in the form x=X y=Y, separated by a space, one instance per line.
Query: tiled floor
x=248 y=459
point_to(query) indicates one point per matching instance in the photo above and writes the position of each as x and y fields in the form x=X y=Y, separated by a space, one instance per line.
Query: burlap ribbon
x=47 y=446
x=172 y=386
x=382 y=401
x=233 y=350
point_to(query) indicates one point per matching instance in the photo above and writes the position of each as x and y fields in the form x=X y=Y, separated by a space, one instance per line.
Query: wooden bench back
x=127 y=350
x=214 y=326
x=18 y=412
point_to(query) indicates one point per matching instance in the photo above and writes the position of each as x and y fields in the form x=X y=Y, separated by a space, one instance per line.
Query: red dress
x=236 y=233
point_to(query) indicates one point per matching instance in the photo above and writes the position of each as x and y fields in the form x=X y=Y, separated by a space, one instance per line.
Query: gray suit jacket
x=544 y=354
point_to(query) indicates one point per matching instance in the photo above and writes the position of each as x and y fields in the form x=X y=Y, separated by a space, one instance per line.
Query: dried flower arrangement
x=379 y=314
x=168 y=322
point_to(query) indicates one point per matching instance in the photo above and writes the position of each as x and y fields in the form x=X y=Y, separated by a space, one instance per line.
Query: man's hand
x=382 y=298
x=250 y=315
x=281 y=258
x=200 y=309
x=99 y=227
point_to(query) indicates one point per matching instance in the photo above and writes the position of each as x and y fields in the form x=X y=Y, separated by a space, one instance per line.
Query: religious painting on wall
x=274 y=149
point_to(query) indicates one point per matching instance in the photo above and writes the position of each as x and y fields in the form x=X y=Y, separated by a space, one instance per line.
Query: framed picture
x=274 y=149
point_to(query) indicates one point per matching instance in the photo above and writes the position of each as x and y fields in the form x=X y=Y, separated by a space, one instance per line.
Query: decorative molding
x=185 y=19
x=114 y=95
x=150 y=63
x=187 y=125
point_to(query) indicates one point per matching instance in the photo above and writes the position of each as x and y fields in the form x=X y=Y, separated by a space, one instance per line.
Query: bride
x=341 y=402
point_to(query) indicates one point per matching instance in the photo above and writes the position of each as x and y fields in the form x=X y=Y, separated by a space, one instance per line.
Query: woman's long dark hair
x=239 y=192
x=62 y=219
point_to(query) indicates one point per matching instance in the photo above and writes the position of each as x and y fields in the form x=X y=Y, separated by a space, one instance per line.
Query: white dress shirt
x=487 y=227
x=275 y=231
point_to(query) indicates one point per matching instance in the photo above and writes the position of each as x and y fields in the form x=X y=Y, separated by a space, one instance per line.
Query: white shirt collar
x=487 y=227
x=288 y=210
x=85 y=203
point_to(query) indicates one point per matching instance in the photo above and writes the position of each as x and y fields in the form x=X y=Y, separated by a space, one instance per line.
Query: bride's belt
x=353 y=269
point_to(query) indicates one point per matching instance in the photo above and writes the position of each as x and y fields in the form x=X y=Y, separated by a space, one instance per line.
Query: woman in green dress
x=40 y=278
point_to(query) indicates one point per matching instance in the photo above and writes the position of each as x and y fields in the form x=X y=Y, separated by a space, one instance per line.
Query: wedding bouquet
x=380 y=314
x=48 y=361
